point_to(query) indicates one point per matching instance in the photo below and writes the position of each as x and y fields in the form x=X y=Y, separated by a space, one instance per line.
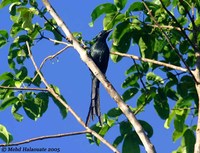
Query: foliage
x=146 y=24
x=155 y=84
x=34 y=103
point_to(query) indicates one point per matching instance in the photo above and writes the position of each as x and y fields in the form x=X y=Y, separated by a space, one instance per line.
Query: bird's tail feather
x=95 y=101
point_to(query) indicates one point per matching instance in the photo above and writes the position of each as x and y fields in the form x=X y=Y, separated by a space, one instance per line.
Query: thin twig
x=164 y=27
x=140 y=74
x=51 y=57
x=151 y=61
x=52 y=40
x=25 y=88
x=44 y=137
x=51 y=24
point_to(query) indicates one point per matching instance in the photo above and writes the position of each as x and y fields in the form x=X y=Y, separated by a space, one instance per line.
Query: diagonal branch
x=151 y=61
x=57 y=97
x=44 y=137
x=108 y=86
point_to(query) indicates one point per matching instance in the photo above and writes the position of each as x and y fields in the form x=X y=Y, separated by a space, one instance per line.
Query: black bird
x=100 y=55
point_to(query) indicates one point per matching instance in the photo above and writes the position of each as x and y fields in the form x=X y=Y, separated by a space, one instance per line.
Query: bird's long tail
x=95 y=102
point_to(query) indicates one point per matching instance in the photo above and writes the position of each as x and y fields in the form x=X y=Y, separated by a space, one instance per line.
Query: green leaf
x=15 y=29
x=5 y=93
x=7 y=2
x=159 y=45
x=42 y=100
x=130 y=145
x=125 y=127
x=189 y=140
x=131 y=69
x=31 y=109
x=120 y=4
x=16 y=107
x=182 y=106
x=172 y=94
x=114 y=112
x=22 y=73
x=169 y=119
x=56 y=89
x=184 y=46
x=21 y=39
x=142 y=46
x=102 y=132
x=12 y=8
x=119 y=32
x=136 y=6
x=5 y=135
x=161 y=104
x=18 y=84
x=177 y=135
x=56 y=32
x=6 y=76
x=111 y=19
x=179 y=123
x=37 y=81
x=8 y=102
x=33 y=3
x=118 y=140
x=3 y=41
x=147 y=128
x=122 y=36
x=102 y=9
x=62 y=108
x=128 y=94
x=131 y=81
x=3 y=37
x=90 y=137
x=109 y=121
x=155 y=78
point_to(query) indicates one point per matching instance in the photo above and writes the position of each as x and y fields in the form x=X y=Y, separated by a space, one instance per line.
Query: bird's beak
x=108 y=31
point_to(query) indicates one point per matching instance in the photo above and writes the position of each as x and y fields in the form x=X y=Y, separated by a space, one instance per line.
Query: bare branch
x=56 y=96
x=52 y=40
x=164 y=27
x=54 y=55
x=51 y=57
x=44 y=137
x=108 y=86
x=151 y=61
x=25 y=88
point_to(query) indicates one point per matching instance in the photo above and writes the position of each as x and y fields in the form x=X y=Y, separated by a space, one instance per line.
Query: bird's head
x=102 y=35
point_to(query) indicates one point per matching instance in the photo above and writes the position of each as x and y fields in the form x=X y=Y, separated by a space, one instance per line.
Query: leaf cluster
x=21 y=80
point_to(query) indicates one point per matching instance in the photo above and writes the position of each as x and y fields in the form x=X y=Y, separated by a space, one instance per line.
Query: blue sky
x=72 y=76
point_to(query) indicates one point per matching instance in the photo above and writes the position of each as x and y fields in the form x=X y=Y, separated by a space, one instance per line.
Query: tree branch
x=151 y=61
x=25 y=88
x=52 y=40
x=44 y=137
x=108 y=86
x=57 y=97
